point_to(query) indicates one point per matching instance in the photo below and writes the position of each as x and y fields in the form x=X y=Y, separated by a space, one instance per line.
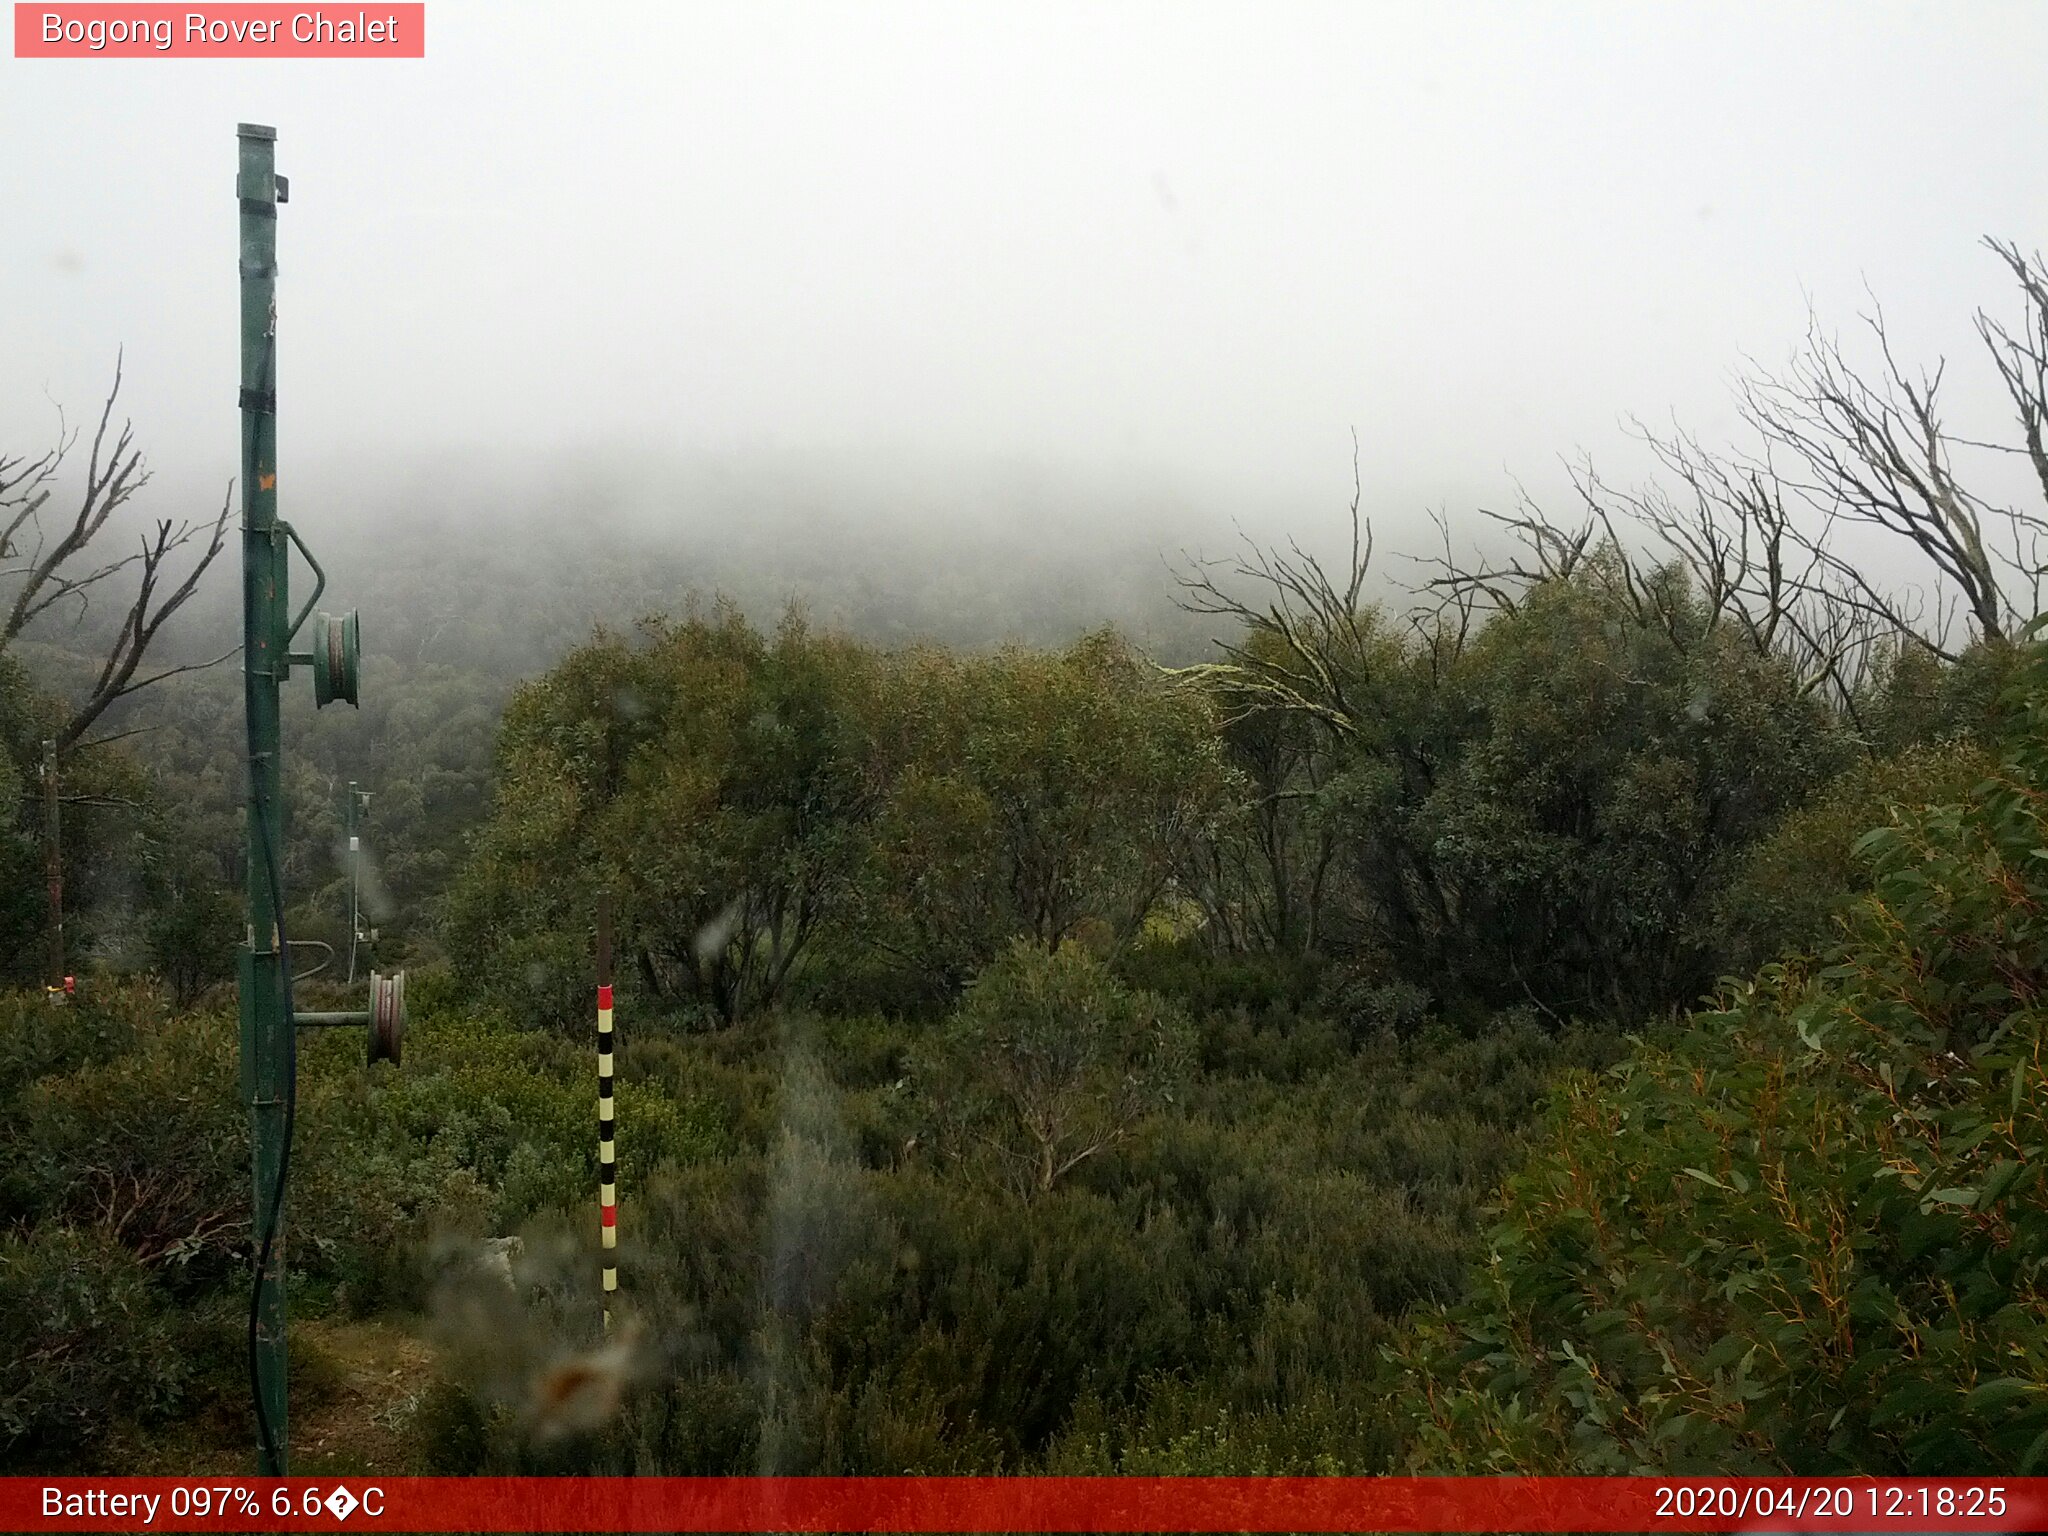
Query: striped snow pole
x=607 y=1123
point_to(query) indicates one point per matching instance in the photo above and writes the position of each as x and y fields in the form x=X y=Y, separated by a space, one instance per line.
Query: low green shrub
x=1810 y=1232
x=149 y=1146
x=41 y=1039
x=91 y=1341
x=1792 y=889
x=485 y=1125
x=1048 y=1062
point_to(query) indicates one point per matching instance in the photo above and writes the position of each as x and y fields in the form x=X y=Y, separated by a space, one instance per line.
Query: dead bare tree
x=1756 y=535
x=1873 y=450
x=1308 y=644
x=1714 y=550
x=1756 y=549
x=2022 y=363
x=53 y=564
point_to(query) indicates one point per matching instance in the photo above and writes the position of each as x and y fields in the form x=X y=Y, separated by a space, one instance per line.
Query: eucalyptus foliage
x=1809 y=1232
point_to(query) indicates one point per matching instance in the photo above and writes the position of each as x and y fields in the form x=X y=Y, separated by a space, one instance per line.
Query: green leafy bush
x=1043 y=795
x=40 y=1039
x=1538 y=810
x=484 y=1126
x=715 y=773
x=1050 y=1061
x=150 y=1146
x=798 y=816
x=1792 y=888
x=1810 y=1232
x=192 y=928
x=833 y=1296
x=91 y=1340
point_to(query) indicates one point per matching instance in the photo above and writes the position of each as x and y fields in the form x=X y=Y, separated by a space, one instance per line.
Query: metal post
x=607 y=1122
x=53 y=868
x=266 y=1037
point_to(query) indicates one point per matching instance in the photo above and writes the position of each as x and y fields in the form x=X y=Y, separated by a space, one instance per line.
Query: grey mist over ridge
x=893 y=550
x=945 y=285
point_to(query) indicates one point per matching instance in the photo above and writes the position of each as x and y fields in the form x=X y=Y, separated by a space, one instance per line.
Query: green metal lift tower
x=269 y=1021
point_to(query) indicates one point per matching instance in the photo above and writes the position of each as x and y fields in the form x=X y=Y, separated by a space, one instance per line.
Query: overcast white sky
x=1192 y=243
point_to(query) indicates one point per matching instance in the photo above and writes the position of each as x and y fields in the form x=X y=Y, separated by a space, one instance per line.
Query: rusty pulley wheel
x=337 y=657
x=387 y=1015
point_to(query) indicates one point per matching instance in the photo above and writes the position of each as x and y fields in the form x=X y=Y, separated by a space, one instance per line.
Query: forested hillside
x=1579 y=1013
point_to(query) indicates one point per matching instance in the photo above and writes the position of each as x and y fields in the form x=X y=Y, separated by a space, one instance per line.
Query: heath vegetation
x=1580 y=1014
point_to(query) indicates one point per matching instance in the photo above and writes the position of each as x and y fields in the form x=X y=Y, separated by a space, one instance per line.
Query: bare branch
x=2022 y=359
x=1875 y=451
x=1305 y=643
x=55 y=569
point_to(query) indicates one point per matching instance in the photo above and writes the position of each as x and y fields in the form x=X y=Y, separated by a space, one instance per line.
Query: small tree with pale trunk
x=1050 y=1061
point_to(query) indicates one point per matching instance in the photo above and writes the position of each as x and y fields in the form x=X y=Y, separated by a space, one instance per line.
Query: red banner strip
x=379 y=29
x=978 y=1504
